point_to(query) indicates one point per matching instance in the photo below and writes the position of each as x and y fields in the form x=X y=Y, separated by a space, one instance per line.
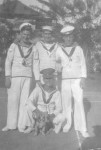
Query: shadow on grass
x=93 y=143
x=87 y=106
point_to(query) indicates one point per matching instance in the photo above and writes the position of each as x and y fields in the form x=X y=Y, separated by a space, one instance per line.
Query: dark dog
x=43 y=124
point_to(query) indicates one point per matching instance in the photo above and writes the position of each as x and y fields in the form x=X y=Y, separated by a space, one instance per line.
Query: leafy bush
x=5 y=37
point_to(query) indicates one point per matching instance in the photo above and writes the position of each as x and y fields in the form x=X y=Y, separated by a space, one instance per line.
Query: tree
x=85 y=12
x=5 y=35
x=9 y=6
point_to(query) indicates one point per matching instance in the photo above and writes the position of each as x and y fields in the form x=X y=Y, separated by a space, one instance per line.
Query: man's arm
x=36 y=64
x=58 y=104
x=8 y=65
x=83 y=69
x=83 y=65
x=32 y=100
x=58 y=59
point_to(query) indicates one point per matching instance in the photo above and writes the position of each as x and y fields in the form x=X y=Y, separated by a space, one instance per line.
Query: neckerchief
x=22 y=54
x=44 y=95
x=70 y=54
x=51 y=48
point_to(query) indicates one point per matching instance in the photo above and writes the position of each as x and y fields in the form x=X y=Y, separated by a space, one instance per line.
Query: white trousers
x=71 y=89
x=17 y=97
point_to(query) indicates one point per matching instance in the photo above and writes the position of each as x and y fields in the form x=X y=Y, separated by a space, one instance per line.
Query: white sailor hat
x=48 y=28
x=67 y=29
x=25 y=24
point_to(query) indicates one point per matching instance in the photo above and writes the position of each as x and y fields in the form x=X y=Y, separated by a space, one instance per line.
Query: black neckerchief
x=44 y=95
x=51 y=48
x=21 y=52
x=70 y=54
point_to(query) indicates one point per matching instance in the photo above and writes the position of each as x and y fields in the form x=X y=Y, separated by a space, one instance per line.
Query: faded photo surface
x=50 y=74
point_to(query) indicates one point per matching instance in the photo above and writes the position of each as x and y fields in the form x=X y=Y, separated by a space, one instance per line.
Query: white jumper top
x=46 y=55
x=44 y=101
x=74 y=66
x=14 y=62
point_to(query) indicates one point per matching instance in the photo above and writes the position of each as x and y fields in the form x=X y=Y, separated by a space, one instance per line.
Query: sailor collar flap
x=28 y=53
x=71 y=52
x=47 y=101
x=50 y=49
x=22 y=54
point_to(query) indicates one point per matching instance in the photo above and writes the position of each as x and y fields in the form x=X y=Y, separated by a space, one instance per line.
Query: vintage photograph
x=50 y=74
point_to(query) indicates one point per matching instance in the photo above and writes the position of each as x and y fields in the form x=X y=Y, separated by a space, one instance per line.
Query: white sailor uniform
x=46 y=56
x=18 y=67
x=45 y=102
x=73 y=69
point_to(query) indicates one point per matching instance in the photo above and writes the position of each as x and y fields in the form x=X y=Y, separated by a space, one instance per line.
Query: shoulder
x=60 y=49
x=79 y=49
x=77 y=46
x=57 y=94
x=36 y=90
x=57 y=45
x=12 y=47
x=38 y=43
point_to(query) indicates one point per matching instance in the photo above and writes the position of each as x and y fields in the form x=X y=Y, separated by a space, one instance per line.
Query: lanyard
x=44 y=95
x=50 y=49
x=22 y=54
x=70 y=54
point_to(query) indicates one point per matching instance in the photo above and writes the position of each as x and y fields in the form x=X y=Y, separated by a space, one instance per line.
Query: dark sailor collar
x=46 y=101
x=21 y=52
x=69 y=55
x=48 y=49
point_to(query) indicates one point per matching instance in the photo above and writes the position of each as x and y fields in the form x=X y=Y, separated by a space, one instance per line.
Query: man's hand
x=8 y=82
x=82 y=83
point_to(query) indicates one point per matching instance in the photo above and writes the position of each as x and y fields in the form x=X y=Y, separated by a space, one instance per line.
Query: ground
x=63 y=141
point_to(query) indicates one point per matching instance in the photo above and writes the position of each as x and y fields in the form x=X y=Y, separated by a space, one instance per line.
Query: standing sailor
x=45 y=51
x=73 y=77
x=18 y=72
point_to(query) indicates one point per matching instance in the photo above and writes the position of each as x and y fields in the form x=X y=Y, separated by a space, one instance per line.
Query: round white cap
x=67 y=29
x=25 y=24
x=49 y=28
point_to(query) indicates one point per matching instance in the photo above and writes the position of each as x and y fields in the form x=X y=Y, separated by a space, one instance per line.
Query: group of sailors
x=45 y=60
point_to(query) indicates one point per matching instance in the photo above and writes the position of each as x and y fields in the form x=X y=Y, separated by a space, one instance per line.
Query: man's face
x=47 y=36
x=25 y=35
x=49 y=82
x=68 y=39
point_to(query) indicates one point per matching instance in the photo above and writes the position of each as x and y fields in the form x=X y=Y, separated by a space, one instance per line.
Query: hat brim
x=48 y=77
x=25 y=24
x=47 y=28
x=67 y=33
x=67 y=29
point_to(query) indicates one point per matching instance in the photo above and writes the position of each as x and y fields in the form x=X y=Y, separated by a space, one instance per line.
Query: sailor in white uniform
x=45 y=98
x=73 y=77
x=18 y=74
x=45 y=50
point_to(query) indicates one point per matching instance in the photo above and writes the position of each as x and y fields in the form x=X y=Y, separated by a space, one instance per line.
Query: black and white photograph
x=50 y=74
